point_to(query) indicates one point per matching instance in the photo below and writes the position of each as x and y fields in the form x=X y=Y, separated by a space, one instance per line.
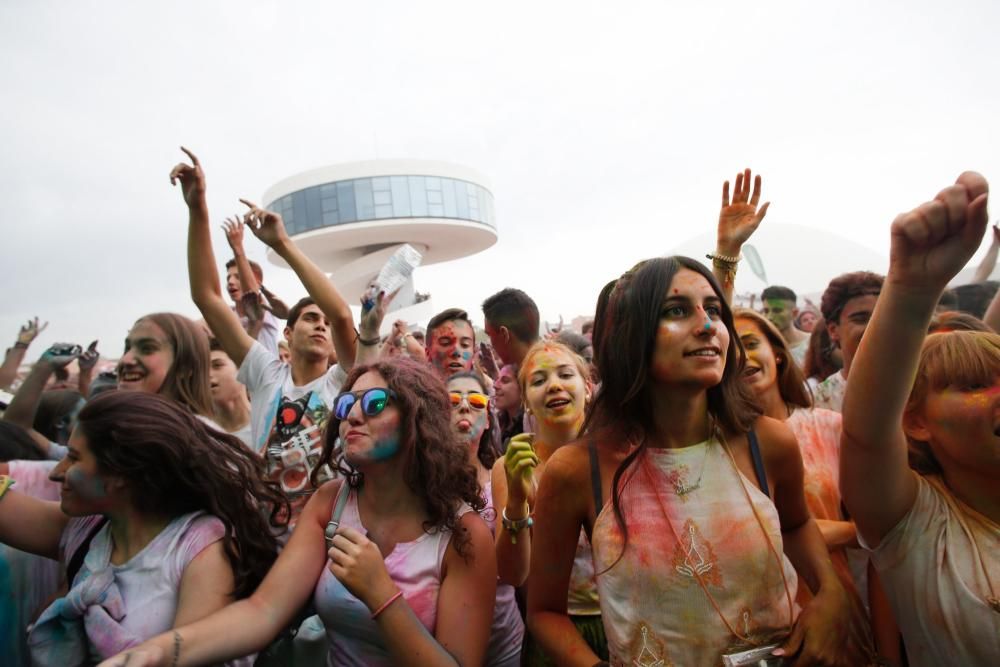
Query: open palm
x=739 y=218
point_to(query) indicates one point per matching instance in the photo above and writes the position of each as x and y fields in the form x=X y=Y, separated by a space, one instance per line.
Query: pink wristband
x=388 y=602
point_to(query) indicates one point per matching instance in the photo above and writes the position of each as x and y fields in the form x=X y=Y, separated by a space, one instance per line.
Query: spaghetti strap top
x=690 y=525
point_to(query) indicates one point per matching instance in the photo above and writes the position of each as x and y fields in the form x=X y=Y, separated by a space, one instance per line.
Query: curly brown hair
x=172 y=464
x=845 y=287
x=435 y=467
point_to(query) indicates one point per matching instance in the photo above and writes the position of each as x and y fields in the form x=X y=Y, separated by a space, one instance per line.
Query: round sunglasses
x=477 y=400
x=373 y=401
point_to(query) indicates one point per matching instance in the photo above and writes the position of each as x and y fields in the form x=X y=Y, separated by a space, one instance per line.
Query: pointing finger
x=194 y=158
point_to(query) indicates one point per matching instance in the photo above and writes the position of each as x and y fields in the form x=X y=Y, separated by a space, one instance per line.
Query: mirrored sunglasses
x=476 y=399
x=373 y=401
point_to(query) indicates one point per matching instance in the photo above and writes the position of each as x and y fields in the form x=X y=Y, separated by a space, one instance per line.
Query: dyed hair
x=791 y=382
x=819 y=361
x=258 y=273
x=956 y=358
x=778 y=292
x=489 y=441
x=435 y=466
x=515 y=310
x=549 y=346
x=956 y=321
x=845 y=287
x=450 y=315
x=295 y=311
x=625 y=404
x=16 y=444
x=172 y=464
x=187 y=380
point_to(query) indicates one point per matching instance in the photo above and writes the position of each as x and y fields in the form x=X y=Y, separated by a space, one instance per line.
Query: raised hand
x=739 y=218
x=932 y=243
x=89 y=358
x=192 y=179
x=519 y=464
x=488 y=360
x=373 y=309
x=265 y=225
x=233 y=227
x=29 y=332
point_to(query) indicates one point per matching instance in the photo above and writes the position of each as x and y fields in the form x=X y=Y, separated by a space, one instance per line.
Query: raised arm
x=233 y=227
x=205 y=290
x=270 y=229
x=277 y=307
x=30 y=524
x=989 y=259
x=372 y=314
x=15 y=355
x=514 y=496
x=86 y=362
x=738 y=220
x=24 y=405
x=929 y=245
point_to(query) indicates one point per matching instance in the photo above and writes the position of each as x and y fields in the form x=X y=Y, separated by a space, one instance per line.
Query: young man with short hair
x=780 y=308
x=511 y=323
x=847 y=305
x=289 y=403
x=451 y=342
x=244 y=283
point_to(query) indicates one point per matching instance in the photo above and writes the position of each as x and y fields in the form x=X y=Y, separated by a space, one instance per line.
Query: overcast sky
x=605 y=129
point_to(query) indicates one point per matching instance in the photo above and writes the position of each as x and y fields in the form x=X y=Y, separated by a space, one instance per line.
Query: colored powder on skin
x=86 y=486
x=385 y=449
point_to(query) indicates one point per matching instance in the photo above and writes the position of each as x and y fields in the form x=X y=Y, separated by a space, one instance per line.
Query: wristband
x=725 y=259
x=5 y=483
x=367 y=341
x=20 y=346
x=385 y=604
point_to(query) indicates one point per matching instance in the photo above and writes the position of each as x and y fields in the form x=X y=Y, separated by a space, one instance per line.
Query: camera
x=64 y=350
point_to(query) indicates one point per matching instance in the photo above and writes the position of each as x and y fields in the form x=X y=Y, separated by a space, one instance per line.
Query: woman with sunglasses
x=399 y=565
x=475 y=424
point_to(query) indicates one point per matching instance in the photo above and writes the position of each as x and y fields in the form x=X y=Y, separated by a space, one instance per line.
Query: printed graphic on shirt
x=295 y=444
x=694 y=557
x=647 y=649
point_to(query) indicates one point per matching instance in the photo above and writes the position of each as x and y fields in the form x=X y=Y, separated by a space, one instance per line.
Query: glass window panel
x=400 y=196
x=314 y=209
x=418 y=196
x=331 y=218
x=363 y=198
x=383 y=211
x=382 y=197
x=435 y=210
x=380 y=183
x=328 y=190
x=432 y=182
x=329 y=204
x=345 y=202
x=448 y=194
x=434 y=197
x=462 y=199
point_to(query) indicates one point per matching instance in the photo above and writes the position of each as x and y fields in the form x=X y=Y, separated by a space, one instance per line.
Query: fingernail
x=778 y=651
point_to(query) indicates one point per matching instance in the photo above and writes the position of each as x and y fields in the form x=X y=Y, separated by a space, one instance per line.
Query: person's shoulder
x=776 y=439
x=570 y=462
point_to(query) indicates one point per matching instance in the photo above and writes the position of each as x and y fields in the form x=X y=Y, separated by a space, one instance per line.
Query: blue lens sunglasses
x=373 y=401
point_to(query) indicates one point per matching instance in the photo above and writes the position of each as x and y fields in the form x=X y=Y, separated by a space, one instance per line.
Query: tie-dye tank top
x=688 y=518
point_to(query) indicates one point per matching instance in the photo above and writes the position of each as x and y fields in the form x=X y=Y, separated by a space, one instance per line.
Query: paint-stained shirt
x=829 y=395
x=288 y=420
x=936 y=566
x=698 y=566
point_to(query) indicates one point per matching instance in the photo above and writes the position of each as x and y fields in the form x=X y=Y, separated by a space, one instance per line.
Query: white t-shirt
x=934 y=566
x=829 y=395
x=270 y=330
x=287 y=421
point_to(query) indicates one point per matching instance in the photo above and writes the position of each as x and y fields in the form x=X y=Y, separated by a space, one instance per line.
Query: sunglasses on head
x=476 y=400
x=373 y=401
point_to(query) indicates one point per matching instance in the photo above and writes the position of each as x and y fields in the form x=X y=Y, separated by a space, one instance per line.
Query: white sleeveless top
x=652 y=604
x=415 y=567
x=507 y=631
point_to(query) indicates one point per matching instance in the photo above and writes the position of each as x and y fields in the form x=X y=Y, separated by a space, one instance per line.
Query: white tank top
x=688 y=518
x=415 y=568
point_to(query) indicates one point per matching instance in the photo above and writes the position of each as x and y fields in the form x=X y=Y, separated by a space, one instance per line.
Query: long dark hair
x=624 y=350
x=489 y=441
x=173 y=464
x=436 y=466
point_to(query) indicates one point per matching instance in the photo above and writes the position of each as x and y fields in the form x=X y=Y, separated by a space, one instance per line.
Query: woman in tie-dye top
x=693 y=557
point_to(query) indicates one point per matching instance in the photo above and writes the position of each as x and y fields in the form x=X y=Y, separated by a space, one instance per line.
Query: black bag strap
x=76 y=560
x=758 y=462
x=595 y=476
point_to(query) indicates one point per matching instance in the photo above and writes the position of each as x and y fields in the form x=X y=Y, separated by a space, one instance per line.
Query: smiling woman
x=168 y=524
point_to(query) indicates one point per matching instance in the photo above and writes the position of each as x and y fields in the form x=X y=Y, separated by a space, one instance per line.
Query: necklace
x=681 y=488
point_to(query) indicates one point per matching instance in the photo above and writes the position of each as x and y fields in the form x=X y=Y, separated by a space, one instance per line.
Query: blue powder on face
x=385 y=449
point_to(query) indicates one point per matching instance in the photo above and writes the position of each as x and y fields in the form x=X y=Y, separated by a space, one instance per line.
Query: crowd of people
x=683 y=482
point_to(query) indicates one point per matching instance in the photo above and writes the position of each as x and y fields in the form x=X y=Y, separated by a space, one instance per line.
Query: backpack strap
x=76 y=560
x=595 y=476
x=758 y=462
